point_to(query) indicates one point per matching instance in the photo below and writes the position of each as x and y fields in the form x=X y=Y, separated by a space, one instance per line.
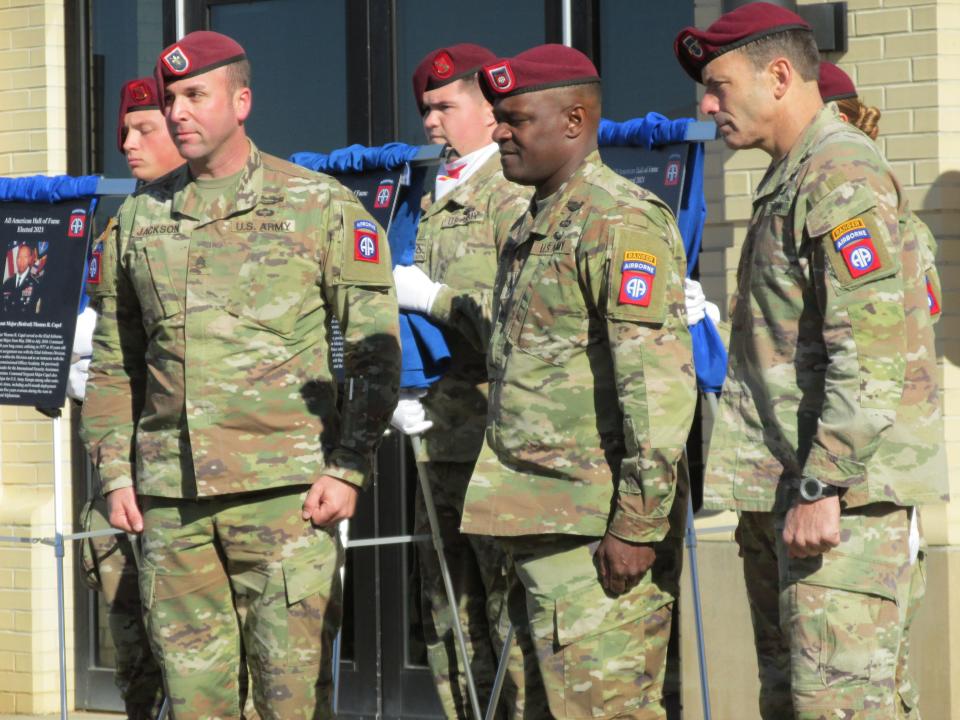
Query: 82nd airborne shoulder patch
x=637 y=274
x=854 y=242
x=366 y=241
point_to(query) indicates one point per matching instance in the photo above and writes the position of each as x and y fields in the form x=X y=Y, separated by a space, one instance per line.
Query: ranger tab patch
x=637 y=274
x=853 y=241
x=366 y=241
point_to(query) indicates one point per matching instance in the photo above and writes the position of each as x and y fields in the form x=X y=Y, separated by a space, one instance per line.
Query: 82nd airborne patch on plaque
x=366 y=241
x=854 y=242
x=637 y=274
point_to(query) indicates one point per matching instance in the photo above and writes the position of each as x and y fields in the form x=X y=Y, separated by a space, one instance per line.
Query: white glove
x=77 y=379
x=410 y=418
x=415 y=290
x=82 y=350
x=83 y=337
x=696 y=301
x=712 y=311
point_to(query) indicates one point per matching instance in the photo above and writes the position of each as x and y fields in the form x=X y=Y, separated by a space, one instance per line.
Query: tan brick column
x=32 y=140
x=904 y=56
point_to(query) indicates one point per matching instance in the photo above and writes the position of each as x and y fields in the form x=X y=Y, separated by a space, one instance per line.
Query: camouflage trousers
x=234 y=574
x=588 y=654
x=477 y=571
x=109 y=567
x=832 y=632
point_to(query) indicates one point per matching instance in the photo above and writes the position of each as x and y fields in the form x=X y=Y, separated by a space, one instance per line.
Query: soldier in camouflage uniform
x=212 y=391
x=829 y=429
x=108 y=562
x=472 y=206
x=592 y=392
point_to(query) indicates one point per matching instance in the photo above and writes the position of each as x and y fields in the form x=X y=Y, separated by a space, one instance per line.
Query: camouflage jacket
x=832 y=371
x=211 y=370
x=592 y=388
x=457 y=246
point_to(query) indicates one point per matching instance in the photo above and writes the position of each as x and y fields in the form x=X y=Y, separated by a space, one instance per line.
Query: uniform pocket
x=879 y=331
x=556 y=341
x=614 y=650
x=152 y=281
x=271 y=288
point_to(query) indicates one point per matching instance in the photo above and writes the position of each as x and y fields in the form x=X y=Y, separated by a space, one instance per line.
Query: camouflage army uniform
x=592 y=392
x=109 y=567
x=832 y=375
x=211 y=372
x=457 y=245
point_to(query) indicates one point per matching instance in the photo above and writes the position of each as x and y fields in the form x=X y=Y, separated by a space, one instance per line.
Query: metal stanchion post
x=445 y=573
x=59 y=553
x=500 y=676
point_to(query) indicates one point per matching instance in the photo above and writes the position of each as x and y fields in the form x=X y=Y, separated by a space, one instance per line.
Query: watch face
x=811 y=489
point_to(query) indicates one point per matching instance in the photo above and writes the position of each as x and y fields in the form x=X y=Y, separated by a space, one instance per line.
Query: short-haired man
x=829 y=430
x=108 y=562
x=470 y=211
x=592 y=392
x=21 y=291
x=212 y=390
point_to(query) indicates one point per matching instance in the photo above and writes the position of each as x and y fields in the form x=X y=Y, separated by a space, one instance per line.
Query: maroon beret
x=835 y=84
x=139 y=94
x=539 y=68
x=444 y=65
x=753 y=21
x=195 y=54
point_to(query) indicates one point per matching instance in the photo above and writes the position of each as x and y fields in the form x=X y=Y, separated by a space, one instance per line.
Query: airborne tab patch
x=366 y=241
x=854 y=242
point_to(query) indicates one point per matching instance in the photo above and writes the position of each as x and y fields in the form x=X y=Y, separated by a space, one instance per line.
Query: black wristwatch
x=812 y=489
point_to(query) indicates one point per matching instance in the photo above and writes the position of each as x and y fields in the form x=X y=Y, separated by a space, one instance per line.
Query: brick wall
x=32 y=140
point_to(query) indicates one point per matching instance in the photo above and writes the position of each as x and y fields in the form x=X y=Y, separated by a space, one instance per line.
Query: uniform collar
x=782 y=170
x=553 y=211
x=188 y=202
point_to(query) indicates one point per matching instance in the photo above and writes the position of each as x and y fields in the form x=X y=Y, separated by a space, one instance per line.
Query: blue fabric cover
x=40 y=188
x=709 y=353
x=357 y=158
x=425 y=353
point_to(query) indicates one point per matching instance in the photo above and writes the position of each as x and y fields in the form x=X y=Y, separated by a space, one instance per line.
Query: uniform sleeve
x=638 y=289
x=468 y=307
x=115 y=389
x=856 y=246
x=358 y=286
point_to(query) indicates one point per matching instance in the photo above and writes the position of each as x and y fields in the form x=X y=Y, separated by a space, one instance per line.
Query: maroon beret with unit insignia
x=139 y=94
x=195 y=54
x=444 y=65
x=753 y=21
x=539 y=68
x=835 y=84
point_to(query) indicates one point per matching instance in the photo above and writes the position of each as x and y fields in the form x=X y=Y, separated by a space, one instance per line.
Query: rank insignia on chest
x=932 y=302
x=94 y=266
x=366 y=241
x=854 y=242
x=637 y=274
